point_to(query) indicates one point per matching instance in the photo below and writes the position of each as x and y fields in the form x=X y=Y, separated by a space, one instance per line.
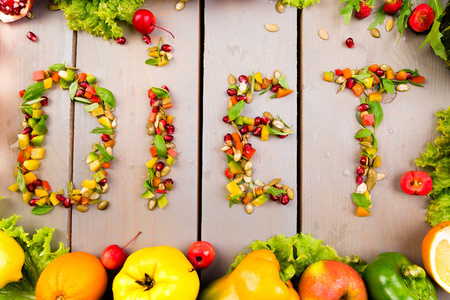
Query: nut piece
x=380 y=176
x=275 y=181
x=102 y=205
x=361 y=189
x=375 y=32
x=323 y=34
x=248 y=166
x=389 y=25
x=231 y=79
x=271 y=27
x=279 y=7
x=179 y=6
x=268 y=115
x=151 y=204
x=290 y=193
x=259 y=183
x=402 y=87
x=385 y=67
x=249 y=208
x=340 y=80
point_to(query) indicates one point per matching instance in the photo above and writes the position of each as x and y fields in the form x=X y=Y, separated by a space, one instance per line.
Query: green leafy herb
x=377 y=111
x=275 y=192
x=57 y=67
x=30 y=102
x=21 y=182
x=273 y=96
x=300 y=3
x=363 y=133
x=405 y=12
x=28 y=109
x=282 y=82
x=42 y=125
x=388 y=85
x=361 y=77
x=275 y=131
x=82 y=100
x=105 y=155
x=361 y=200
x=151 y=174
x=236 y=110
x=152 y=61
x=160 y=146
x=380 y=15
x=233 y=87
x=266 y=90
x=41 y=210
x=229 y=158
x=104 y=130
x=91 y=107
x=375 y=141
x=34 y=91
x=279 y=118
x=73 y=88
x=233 y=200
x=435 y=36
x=348 y=9
x=160 y=92
x=406 y=82
x=358 y=118
x=106 y=96
x=414 y=73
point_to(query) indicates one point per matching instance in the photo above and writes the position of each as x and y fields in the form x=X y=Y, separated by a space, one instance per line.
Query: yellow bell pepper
x=255 y=278
x=156 y=273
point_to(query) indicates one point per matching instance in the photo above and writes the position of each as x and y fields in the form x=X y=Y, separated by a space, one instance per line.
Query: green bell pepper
x=392 y=276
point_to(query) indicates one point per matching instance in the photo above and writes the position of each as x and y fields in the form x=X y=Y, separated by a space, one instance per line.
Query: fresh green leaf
x=29 y=110
x=106 y=96
x=236 y=110
x=233 y=87
x=41 y=210
x=266 y=90
x=104 y=130
x=434 y=37
x=275 y=131
x=275 y=192
x=82 y=100
x=300 y=3
x=152 y=61
x=91 y=107
x=380 y=15
x=361 y=200
x=375 y=141
x=388 y=85
x=57 y=67
x=73 y=88
x=42 y=124
x=160 y=92
x=282 y=82
x=279 y=118
x=348 y=9
x=34 y=91
x=363 y=133
x=414 y=73
x=160 y=145
x=405 y=12
x=30 y=102
x=377 y=111
x=229 y=158
x=234 y=200
x=21 y=182
x=361 y=77
x=106 y=157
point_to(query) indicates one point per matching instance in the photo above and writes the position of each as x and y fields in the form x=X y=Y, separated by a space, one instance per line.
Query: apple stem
x=164 y=30
x=132 y=239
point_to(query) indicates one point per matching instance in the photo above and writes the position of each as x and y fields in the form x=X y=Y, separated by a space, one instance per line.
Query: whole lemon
x=11 y=260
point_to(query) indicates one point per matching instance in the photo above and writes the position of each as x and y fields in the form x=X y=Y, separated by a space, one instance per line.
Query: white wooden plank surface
x=19 y=57
x=330 y=154
x=239 y=44
x=121 y=69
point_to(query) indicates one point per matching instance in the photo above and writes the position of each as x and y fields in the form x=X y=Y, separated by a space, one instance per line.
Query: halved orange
x=436 y=254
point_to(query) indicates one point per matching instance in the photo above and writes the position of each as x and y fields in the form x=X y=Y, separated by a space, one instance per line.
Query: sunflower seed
x=375 y=32
x=271 y=27
x=389 y=25
x=231 y=79
x=323 y=34
x=402 y=87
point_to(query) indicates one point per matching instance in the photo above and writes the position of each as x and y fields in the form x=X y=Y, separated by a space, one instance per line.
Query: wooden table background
x=213 y=39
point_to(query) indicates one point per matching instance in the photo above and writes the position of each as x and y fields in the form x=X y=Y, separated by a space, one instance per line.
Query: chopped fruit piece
x=368 y=119
x=39 y=75
x=29 y=178
x=375 y=97
x=234 y=189
x=151 y=163
x=14 y=187
x=40 y=193
x=48 y=83
x=89 y=184
x=328 y=76
x=37 y=153
x=362 y=212
x=32 y=164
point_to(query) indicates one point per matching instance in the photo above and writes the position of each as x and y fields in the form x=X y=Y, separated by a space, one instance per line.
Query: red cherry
x=113 y=257
x=201 y=255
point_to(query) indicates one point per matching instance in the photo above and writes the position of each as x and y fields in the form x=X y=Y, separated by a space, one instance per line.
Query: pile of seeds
x=160 y=126
x=239 y=151
x=160 y=56
x=100 y=102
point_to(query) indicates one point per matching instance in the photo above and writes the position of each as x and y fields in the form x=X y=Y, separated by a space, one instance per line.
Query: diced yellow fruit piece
x=368 y=82
x=48 y=83
x=375 y=97
x=76 y=192
x=95 y=165
x=169 y=119
x=42 y=201
x=105 y=121
x=89 y=184
x=76 y=197
x=372 y=150
x=24 y=140
x=152 y=162
x=53 y=199
x=29 y=177
x=32 y=164
x=264 y=134
x=27 y=197
x=37 y=153
x=36 y=105
x=40 y=193
x=328 y=76
x=234 y=189
x=390 y=74
x=258 y=77
x=13 y=187
x=98 y=112
x=362 y=212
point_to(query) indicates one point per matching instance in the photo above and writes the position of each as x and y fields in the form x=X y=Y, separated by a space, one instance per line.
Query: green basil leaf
x=230 y=158
x=275 y=192
x=160 y=92
x=106 y=157
x=34 y=91
x=73 y=89
x=266 y=90
x=91 y=107
x=104 y=130
x=363 y=133
x=361 y=200
x=275 y=131
x=236 y=110
x=282 y=82
x=375 y=142
x=152 y=61
x=42 y=125
x=361 y=76
x=377 y=111
x=82 y=100
x=160 y=146
x=57 y=67
x=28 y=109
x=388 y=85
x=29 y=102
x=21 y=182
x=106 y=96
x=41 y=210
x=151 y=174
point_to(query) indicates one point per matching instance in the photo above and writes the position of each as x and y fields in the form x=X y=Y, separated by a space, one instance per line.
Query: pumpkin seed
x=238 y=178
x=389 y=25
x=402 y=87
x=268 y=115
x=167 y=100
x=105 y=188
x=279 y=7
x=279 y=185
x=169 y=186
x=248 y=166
x=179 y=6
x=340 y=79
x=266 y=189
x=249 y=173
x=52 y=7
x=274 y=81
x=249 y=208
x=385 y=67
x=323 y=34
x=94 y=196
x=258 y=87
x=367 y=139
x=161 y=187
x=225 y=148
x=380 y=176
x=30 y=15
x=231 y=79
x=371 y=183
x=165 y=171
x=244 y=186
x=290 y=193
x=237 y=155
x=249 y=96
x=169 y=56
x=247 y=179
x=275 y=181
x=102 y=205
x=170 y=145
x=372 y=173
x=150 y=128
x=284 y=187
x=82 y=208
x=375 y=32
x=277 y=74
x=259 y=183
x=271 y=27
x=362 y=188
x=109 y=115
x=278 y=124
x=151 y=204
x=59 y=191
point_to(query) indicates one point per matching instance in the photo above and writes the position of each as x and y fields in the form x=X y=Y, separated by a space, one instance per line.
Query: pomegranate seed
x=243 y=79
x=121 y=40
x=79 y=93
x=231 y=92
x=27 y=117
x=257 y=131
x=155 y=109
x=168 y=138
x=257 y=121
x=146 y=39
x=26 y=130
x=351 y=83
x=166 y=47
x=152 y=102
x=409 y=75
x=105 y=138
x=363 y=107
x=282 y=136
x=227 y=137
x=165 y=87
x=265 y=120
x=241 y=97
x=44 y=101
x=379 y=72
x=159 y=166
x=349 y=42
x=103 y=181
x=248 y=147
x=37 y=183
x=275 y=88
x=84 y=84
x=170 y=129
x=284 y=199
x=226 y=119
x=168 y=180
x=360 y=171
x=163 y=123
x=30 y=188
x=359 y=179
x=31 y=36
x=243 y=130
x=363 y=160
x=273 y=198
x=33 y=202
x=60 y=198
x=67 y=203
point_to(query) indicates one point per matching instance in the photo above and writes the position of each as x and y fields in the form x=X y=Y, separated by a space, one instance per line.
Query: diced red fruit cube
x=368 y=119
x=338 y=72
x=39 y=75
x=21 y=93
x=151 y=95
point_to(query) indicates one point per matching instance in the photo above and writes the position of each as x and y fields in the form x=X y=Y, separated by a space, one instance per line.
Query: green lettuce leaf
x=300 y=3
x=298 y=252
x=38 y=255
x=437 y=158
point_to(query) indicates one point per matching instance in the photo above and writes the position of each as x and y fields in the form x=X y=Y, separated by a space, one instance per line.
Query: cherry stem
x=132 y=239
x=164 y=30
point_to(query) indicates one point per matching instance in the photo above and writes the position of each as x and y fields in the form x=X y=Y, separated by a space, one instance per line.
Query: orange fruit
x=72 y=276
x=436 y=254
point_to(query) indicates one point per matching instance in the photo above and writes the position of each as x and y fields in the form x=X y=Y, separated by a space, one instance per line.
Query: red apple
x=331 y=280
x=201 y=255
x=113 y=257
x=416 y=183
